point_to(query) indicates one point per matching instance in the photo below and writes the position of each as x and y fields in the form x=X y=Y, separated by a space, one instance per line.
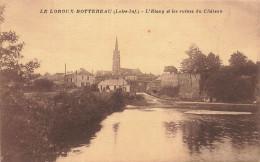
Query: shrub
x=37 y=129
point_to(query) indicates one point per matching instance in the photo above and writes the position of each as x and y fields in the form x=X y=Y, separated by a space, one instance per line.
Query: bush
x=37 y=129
x=94 y=88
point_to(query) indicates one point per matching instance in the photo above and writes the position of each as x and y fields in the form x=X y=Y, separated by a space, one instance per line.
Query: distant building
x=113 y=84
x=153 y=87
x=137 y=85
x=116 y=68
x=104 y=72
x=80 y=78
x=131 y=77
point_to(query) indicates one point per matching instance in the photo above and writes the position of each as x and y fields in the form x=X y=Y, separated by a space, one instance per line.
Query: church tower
x=116 y=60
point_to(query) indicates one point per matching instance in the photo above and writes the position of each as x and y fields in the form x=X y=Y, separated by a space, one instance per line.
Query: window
x=82 y=77
x=88 y=78
x=114 y=87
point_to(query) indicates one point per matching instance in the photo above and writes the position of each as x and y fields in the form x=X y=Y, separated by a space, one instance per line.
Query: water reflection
x=171 y=129
x=197 y=134
x=115 y=129
x=172 y=135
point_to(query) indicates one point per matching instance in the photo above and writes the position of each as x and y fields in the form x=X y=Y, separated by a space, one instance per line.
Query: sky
x=146 y=41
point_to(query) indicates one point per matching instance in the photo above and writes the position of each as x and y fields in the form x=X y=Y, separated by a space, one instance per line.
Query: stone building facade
x=114 y=84
x=80 y=78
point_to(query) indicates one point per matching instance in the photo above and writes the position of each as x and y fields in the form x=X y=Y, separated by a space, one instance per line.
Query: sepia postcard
x=129 y=81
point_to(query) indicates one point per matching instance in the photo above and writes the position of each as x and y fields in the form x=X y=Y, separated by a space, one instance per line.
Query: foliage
x=94 y=87
x=118 y=101
x=234 y=83
x=24 y=124
x=13 y=73
x=225 y=86
x=213 y=63
x=170 y=69
x=195 y=63
x=40 y=127
x=241 y=65
x=237 y=59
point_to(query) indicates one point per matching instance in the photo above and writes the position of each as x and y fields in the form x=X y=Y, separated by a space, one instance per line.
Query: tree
x=225 y=86
x=213 y=63
x=242 y=66
x=170 y=69
x=13 y=73
x=237 y=59
x=237 y=62
x=196 y=61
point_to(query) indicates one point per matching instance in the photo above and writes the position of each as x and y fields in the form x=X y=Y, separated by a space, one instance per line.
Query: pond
x=170 y=134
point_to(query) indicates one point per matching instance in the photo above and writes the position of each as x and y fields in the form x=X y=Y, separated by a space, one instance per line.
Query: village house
x=80 y=78
x=130 y=77
x=104 y=72
x=113 y=84
x=137 y=85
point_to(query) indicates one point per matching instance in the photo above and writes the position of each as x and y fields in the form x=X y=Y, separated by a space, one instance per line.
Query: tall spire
x=116 y=47
x=116 y=60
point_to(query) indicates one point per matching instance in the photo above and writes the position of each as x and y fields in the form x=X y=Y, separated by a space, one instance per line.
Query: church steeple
x=116 y=47
x=116 y=60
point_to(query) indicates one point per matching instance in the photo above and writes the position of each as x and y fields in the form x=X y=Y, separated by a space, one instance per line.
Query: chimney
x=65 y=70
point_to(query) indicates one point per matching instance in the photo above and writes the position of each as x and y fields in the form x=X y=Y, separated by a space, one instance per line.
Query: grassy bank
x=41 y=127
x=137 y=100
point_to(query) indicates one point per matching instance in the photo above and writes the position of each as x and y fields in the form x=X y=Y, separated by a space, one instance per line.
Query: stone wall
x=188 y=85
x=169 y=79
